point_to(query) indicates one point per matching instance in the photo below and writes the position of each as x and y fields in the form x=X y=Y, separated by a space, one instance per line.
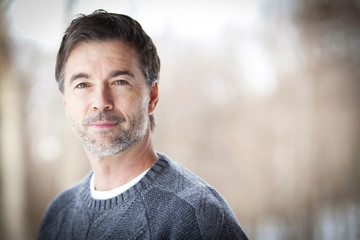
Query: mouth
x=103 y=124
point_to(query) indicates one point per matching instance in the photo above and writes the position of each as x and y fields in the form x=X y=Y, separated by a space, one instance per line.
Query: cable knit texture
x=169 y=202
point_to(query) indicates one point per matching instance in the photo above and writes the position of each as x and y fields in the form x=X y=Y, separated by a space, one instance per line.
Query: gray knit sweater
x=169 y=202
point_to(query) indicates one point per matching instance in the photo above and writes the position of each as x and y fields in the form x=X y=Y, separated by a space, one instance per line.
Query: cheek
x=131 y=106
x=74 y=110
x=135 y=99
x=126 y=106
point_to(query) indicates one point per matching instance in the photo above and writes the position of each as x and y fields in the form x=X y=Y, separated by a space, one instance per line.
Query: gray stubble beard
x=126 y=139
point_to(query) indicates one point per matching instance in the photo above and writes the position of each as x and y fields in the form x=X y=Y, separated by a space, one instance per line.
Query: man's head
x=102 y=26
x=107 y=69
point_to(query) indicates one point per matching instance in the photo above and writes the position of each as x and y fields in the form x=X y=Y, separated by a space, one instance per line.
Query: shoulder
x=193 y=198
x=59 y=205
x=186 y=185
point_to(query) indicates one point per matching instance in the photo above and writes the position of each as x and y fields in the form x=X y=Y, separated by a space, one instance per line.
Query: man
x=107 y=69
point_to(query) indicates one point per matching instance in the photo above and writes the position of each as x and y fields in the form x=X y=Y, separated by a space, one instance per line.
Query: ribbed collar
x=141 y=187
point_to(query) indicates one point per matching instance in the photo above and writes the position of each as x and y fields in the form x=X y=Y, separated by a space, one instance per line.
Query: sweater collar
x=141 y=187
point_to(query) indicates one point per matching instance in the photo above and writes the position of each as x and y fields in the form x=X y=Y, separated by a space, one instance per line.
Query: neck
x=116 y=170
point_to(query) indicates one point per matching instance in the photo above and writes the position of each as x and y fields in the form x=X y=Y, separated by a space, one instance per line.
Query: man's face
x=106 y=97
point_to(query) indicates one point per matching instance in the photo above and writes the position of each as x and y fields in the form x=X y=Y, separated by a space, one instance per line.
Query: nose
x=102 y=100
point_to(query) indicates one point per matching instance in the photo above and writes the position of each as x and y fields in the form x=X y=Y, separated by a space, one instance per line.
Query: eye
x=120 y=82
x=81 y=85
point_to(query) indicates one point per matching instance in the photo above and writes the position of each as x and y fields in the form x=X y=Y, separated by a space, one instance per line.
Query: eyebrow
x=113 y=74
x=117 y=73
x=78 y=75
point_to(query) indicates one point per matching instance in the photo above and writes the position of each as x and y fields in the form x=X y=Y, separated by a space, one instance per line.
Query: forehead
x=101 y=53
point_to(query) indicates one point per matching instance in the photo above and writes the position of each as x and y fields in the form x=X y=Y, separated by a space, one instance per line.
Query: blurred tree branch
x=4 y=46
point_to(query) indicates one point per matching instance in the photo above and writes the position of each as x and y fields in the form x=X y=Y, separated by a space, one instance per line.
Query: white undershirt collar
x=102 y=195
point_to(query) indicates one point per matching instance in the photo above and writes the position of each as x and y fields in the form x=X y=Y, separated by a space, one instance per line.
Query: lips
x=103 y=124
x=103 y=120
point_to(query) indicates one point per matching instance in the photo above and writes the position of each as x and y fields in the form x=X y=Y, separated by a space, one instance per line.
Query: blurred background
x=260 y=98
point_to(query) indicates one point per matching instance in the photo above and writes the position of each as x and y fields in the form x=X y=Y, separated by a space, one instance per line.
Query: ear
x=63 y=100
x=154 y=97
x=64 y=104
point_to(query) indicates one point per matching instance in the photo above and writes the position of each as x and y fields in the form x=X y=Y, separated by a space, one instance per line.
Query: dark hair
x=103 y=26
